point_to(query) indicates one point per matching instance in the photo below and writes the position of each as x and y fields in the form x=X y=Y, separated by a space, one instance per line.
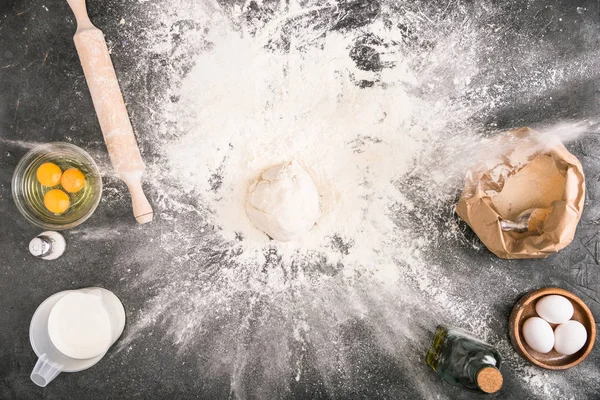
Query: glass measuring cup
x=52 y=361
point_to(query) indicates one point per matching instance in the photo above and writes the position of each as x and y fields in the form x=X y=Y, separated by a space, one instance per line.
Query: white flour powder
x=265 y=109
x=386 y=147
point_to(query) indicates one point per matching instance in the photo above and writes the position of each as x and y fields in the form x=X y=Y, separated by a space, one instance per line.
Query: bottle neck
x=478 y=364
x=484 y=372
x=485 y=361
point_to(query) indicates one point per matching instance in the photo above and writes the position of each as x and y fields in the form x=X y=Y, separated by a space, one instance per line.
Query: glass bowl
x=28 y=193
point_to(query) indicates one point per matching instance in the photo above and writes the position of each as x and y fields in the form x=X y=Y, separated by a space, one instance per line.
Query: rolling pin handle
x=81 y=15
x=142 y=210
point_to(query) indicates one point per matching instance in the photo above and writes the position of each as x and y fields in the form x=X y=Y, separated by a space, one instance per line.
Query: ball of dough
x=284 y=202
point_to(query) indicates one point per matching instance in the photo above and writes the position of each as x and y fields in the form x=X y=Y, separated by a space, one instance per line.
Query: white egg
x=570 y=337
x=538 y=334
x=554 y=309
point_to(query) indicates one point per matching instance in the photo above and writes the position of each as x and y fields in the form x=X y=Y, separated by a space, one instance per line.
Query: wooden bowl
x=525 y=308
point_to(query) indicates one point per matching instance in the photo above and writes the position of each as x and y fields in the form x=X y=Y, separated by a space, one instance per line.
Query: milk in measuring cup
x=79 y=326
x=72 y=330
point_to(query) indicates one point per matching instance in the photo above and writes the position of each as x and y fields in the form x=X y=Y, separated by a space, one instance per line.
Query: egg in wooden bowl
x=572 y=328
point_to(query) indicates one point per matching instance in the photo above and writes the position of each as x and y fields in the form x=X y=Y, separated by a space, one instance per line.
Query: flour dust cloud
x=379 y=102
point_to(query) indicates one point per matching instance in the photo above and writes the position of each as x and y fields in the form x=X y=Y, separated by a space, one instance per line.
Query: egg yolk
x=72 y=180
x=48 y=174
x=57 y=201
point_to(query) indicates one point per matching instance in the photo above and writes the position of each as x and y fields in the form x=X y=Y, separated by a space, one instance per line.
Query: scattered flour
x=382 y=108
x=295 y=106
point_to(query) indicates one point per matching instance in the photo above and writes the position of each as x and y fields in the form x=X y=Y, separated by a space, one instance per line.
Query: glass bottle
x=463 y=360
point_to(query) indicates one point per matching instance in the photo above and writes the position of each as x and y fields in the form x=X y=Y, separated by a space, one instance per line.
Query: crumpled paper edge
x=476 y=209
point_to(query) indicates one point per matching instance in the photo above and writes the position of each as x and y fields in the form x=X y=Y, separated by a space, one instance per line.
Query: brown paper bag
x=483 y=200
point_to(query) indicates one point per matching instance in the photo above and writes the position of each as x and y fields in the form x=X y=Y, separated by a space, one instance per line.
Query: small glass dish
x=28 y=193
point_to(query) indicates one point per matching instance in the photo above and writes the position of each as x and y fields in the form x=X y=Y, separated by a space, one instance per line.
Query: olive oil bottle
x=463 y=360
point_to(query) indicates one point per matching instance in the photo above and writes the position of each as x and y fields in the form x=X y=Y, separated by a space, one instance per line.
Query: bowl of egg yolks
x=57 y=186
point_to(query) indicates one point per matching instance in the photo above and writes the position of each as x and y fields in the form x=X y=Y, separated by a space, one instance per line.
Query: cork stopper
x=489 y=379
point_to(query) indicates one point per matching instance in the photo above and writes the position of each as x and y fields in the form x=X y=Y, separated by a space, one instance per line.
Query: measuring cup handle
x=45 y=371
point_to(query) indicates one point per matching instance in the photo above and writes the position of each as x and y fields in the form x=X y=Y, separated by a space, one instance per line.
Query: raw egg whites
x=538 y=334
x=554 y=309
x=57 y=201
x=570 y=337
x=72 y=180
x=48 y=174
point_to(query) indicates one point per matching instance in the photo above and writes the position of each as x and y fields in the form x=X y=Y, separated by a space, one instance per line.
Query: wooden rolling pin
x=110 y=109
